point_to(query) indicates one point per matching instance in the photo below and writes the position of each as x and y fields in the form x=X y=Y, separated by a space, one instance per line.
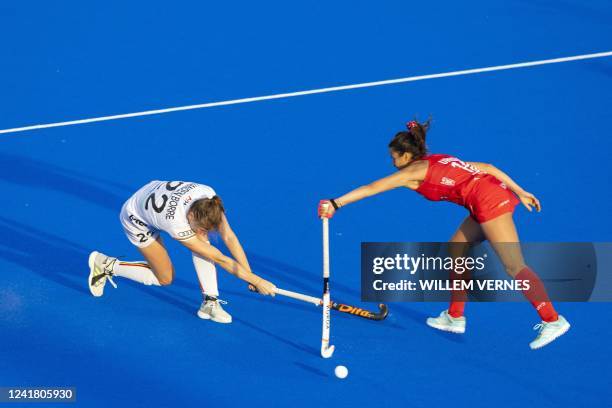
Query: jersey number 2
x=159 y=208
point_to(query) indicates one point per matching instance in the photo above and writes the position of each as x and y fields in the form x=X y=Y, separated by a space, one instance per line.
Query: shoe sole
x=447 y=328
x=207 y=317
x=559 y=334
x=91 y=260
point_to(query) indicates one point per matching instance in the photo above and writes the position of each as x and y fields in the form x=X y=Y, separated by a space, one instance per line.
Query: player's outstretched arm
x=208 y=251
x=401 y=178
x=233 y=244
x=526 y=198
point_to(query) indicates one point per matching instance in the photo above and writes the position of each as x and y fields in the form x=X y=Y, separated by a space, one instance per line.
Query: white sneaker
x=549 y=331
x=446 y=322
x=211 y=310
x=100 y=269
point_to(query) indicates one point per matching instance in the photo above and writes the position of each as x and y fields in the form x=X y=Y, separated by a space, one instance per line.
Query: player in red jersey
x=488 y=194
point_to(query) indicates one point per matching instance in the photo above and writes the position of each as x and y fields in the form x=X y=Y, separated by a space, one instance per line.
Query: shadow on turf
x=310 y=369
x=61 y=261
x=44 y=176
x=47 y=255
x=302 y=279
x=298 y=346
x=177 y=299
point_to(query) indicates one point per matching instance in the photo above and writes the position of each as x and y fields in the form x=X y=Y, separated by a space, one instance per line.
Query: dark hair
x=411 y=140
x=207 y=213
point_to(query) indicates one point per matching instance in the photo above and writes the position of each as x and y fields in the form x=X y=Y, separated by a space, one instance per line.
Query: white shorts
x=137 y=231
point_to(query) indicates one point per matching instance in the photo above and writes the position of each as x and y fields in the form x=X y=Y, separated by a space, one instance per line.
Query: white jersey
x=163 y=206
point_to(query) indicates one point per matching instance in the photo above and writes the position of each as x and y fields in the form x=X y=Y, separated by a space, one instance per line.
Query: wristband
x=334 y=204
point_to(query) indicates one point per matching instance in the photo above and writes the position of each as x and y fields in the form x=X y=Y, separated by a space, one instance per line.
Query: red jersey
x=450 y=179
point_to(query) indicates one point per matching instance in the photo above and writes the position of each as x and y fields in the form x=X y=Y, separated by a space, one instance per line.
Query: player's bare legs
x=501 y=233
x=468 y=233
x=159 y=261
x=452 y=320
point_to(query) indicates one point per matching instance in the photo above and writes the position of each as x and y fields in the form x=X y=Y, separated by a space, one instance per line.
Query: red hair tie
x=411 y=124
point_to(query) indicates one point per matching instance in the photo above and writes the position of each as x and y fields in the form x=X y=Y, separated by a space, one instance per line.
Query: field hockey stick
x=326 y=349
x=381 y=314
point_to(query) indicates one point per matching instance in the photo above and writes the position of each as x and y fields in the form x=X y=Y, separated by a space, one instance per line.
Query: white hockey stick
x=326 y=349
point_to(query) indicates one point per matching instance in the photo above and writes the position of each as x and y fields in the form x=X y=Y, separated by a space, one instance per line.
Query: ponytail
x=412 y=140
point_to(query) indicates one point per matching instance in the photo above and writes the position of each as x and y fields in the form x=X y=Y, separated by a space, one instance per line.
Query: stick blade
x=382 y=313
x=327 y=352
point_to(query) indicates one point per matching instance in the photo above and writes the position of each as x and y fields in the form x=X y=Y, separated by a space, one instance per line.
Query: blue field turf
x=62 y=189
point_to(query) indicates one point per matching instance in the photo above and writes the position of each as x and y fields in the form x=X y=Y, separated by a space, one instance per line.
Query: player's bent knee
x=166 y=276
x=165 y=281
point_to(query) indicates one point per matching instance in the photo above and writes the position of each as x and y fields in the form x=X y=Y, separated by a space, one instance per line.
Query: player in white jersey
x=187 y=212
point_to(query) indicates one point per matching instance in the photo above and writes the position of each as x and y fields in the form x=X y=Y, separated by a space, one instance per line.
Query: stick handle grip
x=325 y=247
x=299 y=296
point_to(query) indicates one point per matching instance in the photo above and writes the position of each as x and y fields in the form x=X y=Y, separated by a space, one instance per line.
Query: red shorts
x=489 y=199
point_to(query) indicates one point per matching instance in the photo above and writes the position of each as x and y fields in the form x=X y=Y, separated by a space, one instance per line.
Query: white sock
x=136 y=271
x=207 y=275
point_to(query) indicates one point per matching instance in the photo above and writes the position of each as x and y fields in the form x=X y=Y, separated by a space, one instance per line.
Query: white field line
x=310 y=92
